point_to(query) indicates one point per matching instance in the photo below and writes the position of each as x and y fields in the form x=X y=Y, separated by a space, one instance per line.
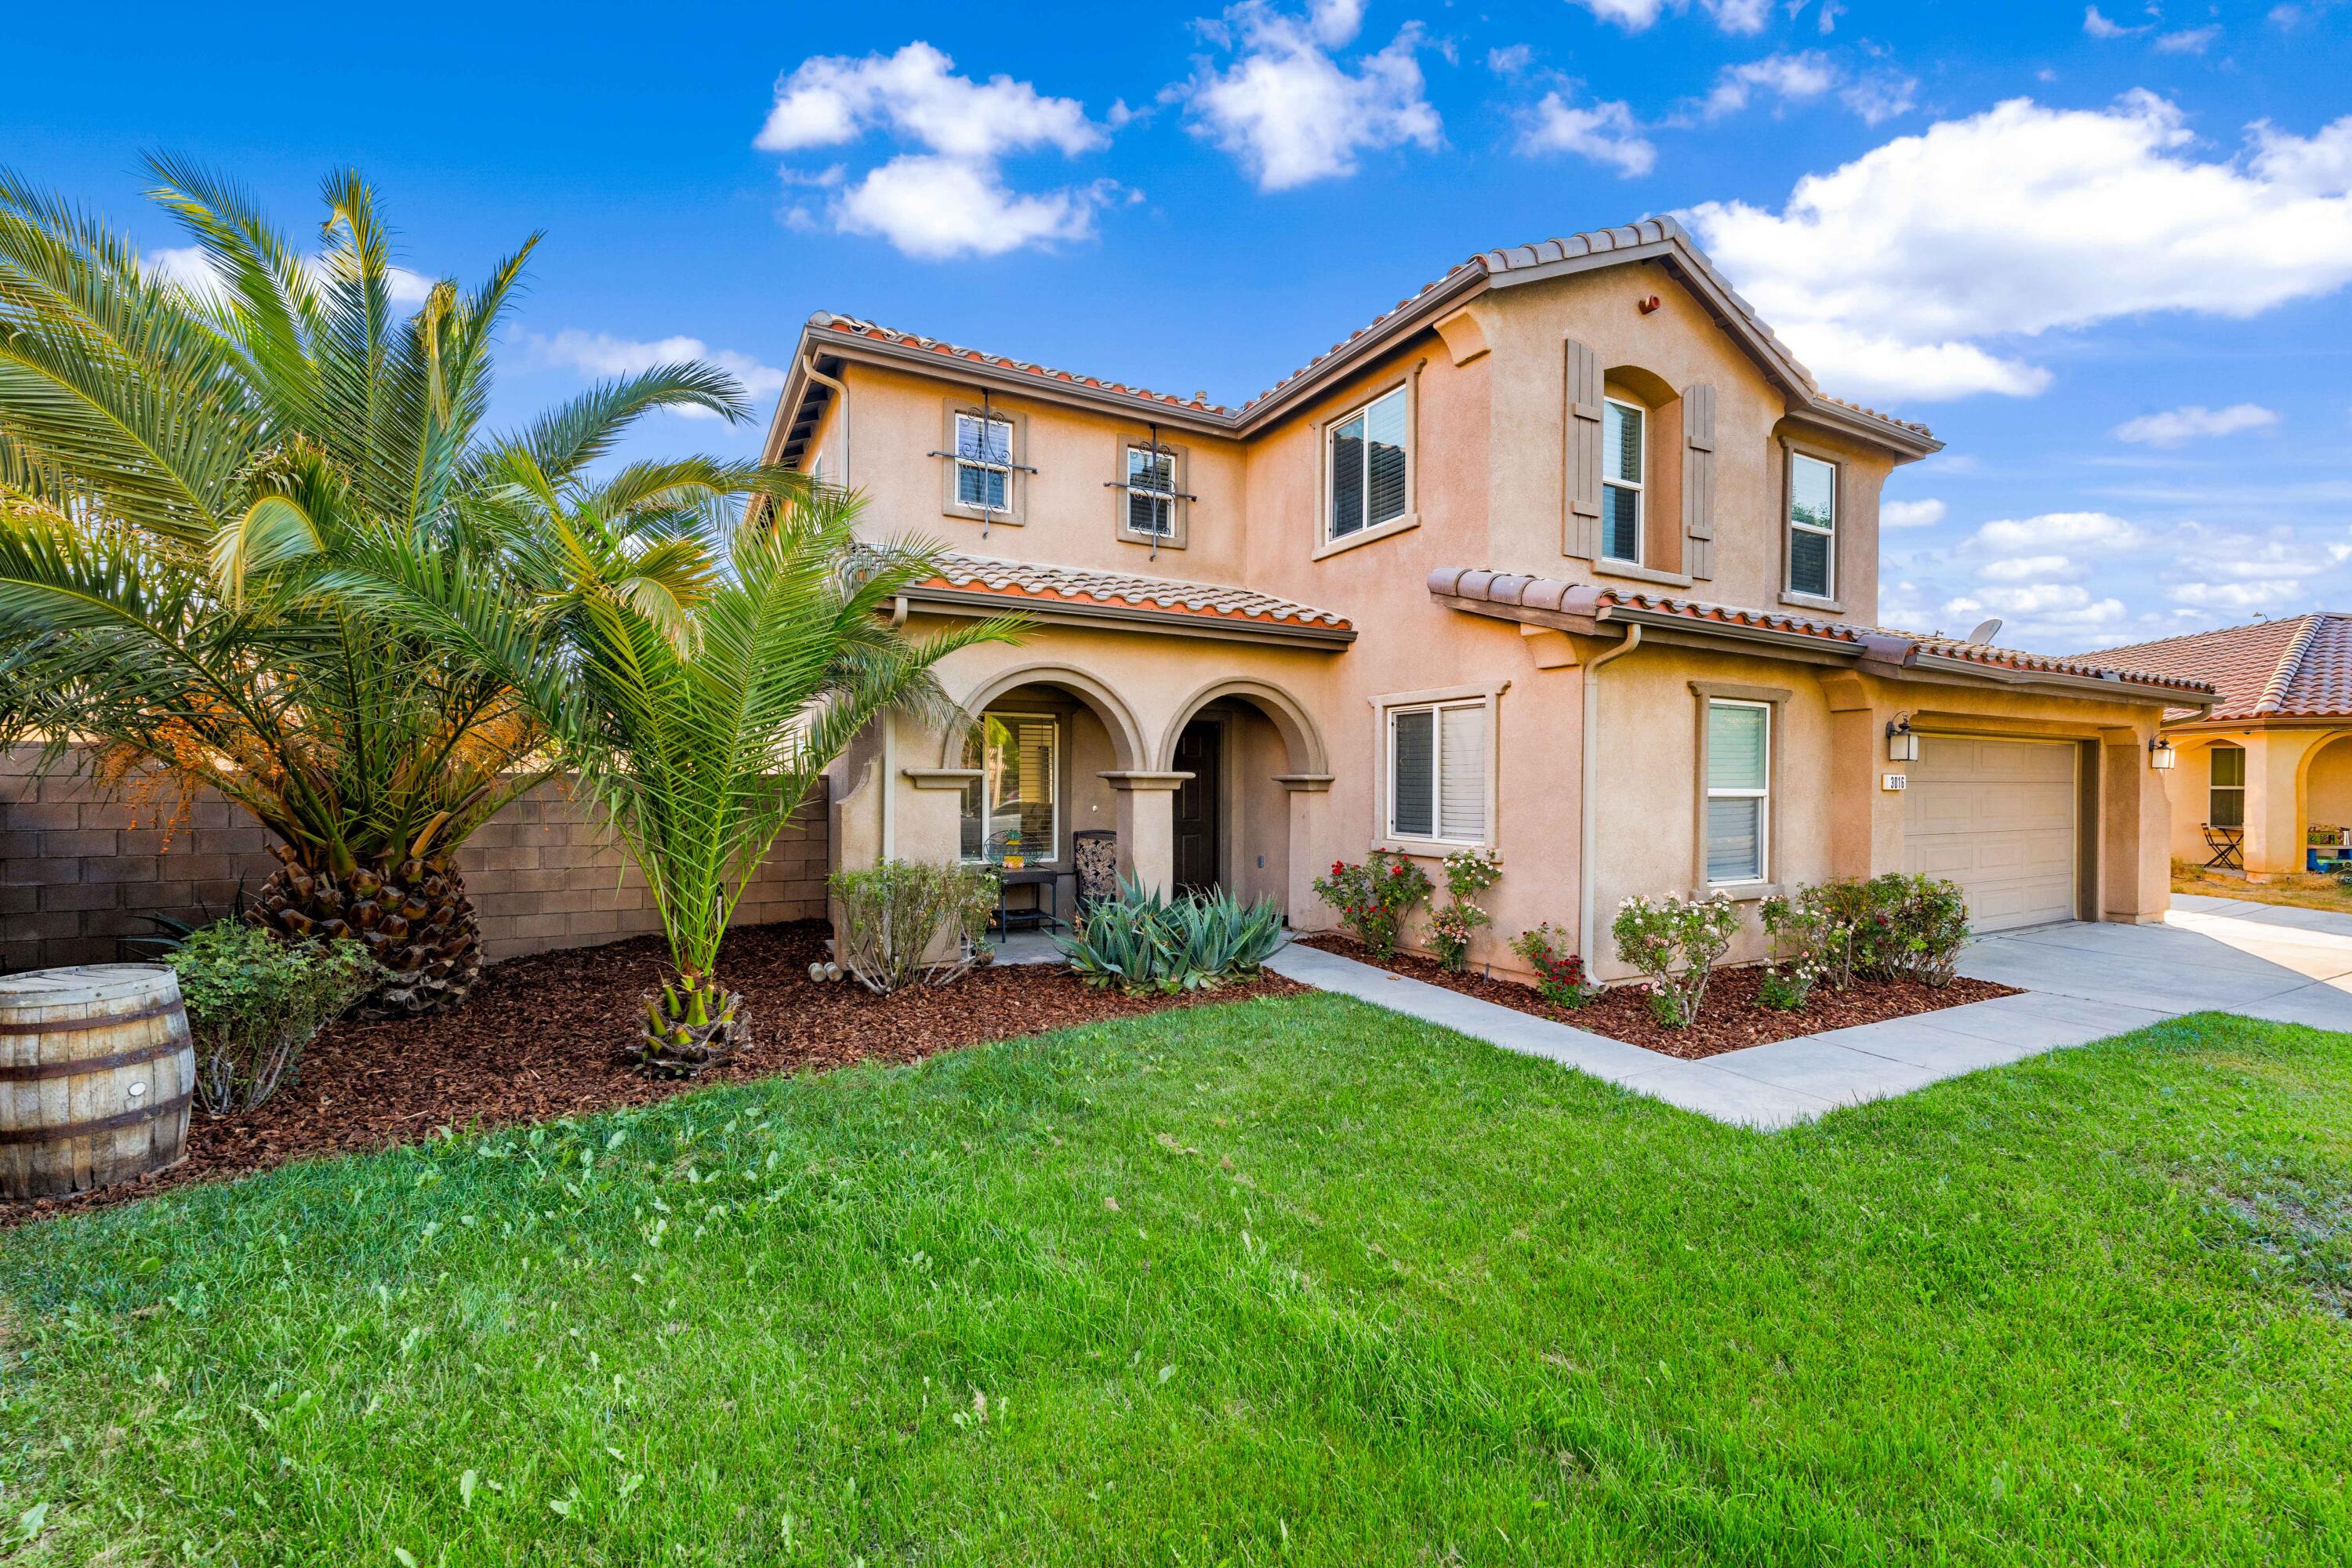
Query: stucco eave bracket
x=1305 y=783
x=941 y=778
x=1143 y=780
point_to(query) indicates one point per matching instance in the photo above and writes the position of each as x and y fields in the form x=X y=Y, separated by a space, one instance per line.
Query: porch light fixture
x=2160 y=754
x=1901 y=745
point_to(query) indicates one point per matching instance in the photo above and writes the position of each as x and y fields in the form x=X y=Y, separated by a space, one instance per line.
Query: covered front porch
x=2270 y=801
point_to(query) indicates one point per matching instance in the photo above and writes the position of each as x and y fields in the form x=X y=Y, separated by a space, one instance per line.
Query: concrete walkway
x=2080 y=982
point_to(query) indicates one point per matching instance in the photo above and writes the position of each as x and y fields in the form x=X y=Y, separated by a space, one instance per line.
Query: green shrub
x=1915 y=931
x=1810 y=943
x=895 y=915
x=1675 y=942
x=254 y=1001
x=1559 y=972
x=1372 y=900
x=1143 y=942
x=1468 y=873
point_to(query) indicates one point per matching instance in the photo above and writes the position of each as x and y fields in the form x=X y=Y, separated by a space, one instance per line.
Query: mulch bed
x=542 y=1038
x=1730 y=1019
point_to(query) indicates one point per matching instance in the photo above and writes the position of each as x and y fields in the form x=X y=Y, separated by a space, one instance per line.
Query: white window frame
x=988 y=805
x=1828 y=592
x=1368 y=528
x=1637 y=485
x=1763 y=795
x=1435 y=704
x=1166 y=533
x=1007 y=467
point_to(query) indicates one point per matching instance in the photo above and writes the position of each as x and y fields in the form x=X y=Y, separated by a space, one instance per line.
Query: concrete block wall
x=80 y=870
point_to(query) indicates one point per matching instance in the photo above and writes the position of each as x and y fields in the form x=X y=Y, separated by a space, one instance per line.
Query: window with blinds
x=1622 y=439
x=2225 y=801
x=1813 y=526
x=1151 y=491
x=1369 y=460
x=1013 y=807
x=984 y=460
x=1738 y=790
x=1437 y=772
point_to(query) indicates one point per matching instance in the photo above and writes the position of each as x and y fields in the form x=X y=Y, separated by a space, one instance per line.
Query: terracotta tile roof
x=853 y=326
x=1548 y=593
x=1077 y=585
x=1488 y=263
x=2299 y=667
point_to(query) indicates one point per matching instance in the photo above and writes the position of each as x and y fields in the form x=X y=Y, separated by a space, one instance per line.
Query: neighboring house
x=2263 y=763
x=1565 y=555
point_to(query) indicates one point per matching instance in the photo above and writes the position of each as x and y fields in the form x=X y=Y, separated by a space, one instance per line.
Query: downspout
x=1589 y=796
x=841 y=391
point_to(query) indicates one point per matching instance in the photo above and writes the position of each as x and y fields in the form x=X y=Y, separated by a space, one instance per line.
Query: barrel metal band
x=83 y=1026
x=34 y=1072
x=172 y=1107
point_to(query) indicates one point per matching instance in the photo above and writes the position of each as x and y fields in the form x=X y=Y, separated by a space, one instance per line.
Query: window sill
x=1389 y=530
x=1147 y=542
x=972 y=514
x=1744 y=892
x=1430 y=848
x=1814 y=602
x=1603 y=567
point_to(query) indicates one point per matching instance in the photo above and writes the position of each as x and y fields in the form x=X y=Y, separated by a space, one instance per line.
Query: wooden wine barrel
x=96 y=1072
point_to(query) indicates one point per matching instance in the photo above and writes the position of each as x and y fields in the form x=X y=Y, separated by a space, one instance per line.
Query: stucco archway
x=1126 y=734
x=1300 y=737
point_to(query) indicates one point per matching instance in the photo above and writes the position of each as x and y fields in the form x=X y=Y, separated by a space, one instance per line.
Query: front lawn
x=1287 y=1280
x=2303 y=889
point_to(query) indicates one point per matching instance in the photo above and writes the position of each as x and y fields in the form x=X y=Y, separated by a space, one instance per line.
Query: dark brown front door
x=1198 y=752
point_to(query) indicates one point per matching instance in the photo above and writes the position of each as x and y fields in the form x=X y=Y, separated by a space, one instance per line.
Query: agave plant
x=1141 y=941
x=698 y=697
x=186 y=471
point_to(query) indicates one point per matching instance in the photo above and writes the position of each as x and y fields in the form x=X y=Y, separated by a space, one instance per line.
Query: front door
x=1199 y=751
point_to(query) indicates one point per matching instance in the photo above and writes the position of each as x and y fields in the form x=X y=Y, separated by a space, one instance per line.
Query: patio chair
x=2225 y=843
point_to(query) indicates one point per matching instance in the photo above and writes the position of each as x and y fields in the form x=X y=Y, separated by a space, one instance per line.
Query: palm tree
x=699 y=699
x=184 y=469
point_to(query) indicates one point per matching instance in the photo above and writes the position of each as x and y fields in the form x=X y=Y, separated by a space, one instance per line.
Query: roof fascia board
x=1418 y=314
x=1127 y=617
x=2116 y=689
x=1018 y=384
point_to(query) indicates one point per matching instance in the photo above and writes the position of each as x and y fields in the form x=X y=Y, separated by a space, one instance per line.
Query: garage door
x=1998 y=817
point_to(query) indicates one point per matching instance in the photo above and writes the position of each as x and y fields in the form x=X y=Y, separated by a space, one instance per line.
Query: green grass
x=1278 y=1281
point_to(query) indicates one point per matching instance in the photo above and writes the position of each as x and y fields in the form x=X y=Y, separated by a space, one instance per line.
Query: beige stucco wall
x=2296 y=777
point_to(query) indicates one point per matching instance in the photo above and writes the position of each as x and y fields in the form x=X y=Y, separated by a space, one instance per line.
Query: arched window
x=2225 y=803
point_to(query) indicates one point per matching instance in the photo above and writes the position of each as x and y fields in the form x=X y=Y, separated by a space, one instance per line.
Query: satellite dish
x=1986 y=630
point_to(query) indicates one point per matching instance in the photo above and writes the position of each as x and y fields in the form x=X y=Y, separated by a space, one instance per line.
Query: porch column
x=1147 y=826
x=1299 y=901
x=1866 y=818
x=2134 y=833
x=2274 y=814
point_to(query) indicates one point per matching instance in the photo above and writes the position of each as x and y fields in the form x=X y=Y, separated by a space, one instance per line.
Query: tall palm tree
x=184 y=469
x=699 y=696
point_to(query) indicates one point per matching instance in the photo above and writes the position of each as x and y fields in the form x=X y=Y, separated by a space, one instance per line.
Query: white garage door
x=1998 y=817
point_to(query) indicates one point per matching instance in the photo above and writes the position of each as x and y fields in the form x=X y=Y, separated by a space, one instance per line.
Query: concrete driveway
x=2230 y=955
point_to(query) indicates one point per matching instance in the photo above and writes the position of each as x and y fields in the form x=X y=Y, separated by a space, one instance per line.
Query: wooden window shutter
x=1699 y=480
x=1583 y=465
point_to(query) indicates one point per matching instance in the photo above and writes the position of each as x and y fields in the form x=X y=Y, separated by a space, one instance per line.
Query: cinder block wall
x=79 y=870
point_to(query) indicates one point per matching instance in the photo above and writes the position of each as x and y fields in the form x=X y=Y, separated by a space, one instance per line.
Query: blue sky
x=2103 y=251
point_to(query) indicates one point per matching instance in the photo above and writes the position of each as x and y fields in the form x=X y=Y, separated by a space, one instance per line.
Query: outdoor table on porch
x=1045 y=906
x=2226 y=843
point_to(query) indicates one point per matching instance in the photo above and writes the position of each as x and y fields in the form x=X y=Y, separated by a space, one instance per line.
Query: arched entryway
x=1246 y=747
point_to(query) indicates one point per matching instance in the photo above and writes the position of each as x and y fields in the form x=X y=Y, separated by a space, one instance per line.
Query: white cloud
x=1889 y=274
x=1830 y=12
x=2098 y=26
x=951 y=198
x=1881 y=95
x=934 y=208
x=2236 y=597
x=1606 y=133
x=1793 y=78
x=2178 y=425
x=2026 y=568
x=2189 y=41
x=603 y=356
x=1636 y=15
x=833 y=100
x=1911 y=513
x=188 y=266
x=1292 y=113
x=2078 y=532
x=1510 y=61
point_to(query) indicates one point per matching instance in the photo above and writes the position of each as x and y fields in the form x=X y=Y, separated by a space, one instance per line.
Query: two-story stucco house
x=1565 y=555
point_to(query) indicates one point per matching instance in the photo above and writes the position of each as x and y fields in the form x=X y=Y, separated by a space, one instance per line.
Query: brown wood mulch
x=542 y=1038
x=1730 y=1019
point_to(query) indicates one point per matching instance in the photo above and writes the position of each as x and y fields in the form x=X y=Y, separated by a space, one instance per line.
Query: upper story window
x=2225 y=801
x=1370 y=456
x=983 y=462
x=1624 y=434
x=1813 y=526
x=1151 y=491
